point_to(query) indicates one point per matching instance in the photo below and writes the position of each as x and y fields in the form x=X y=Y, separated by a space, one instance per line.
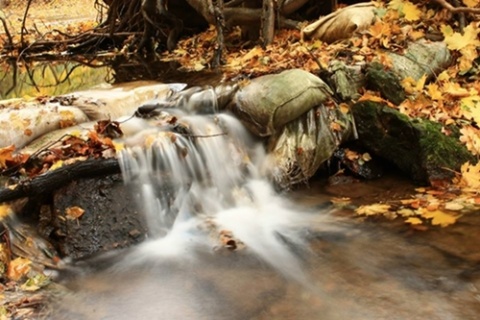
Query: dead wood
x=53 y=180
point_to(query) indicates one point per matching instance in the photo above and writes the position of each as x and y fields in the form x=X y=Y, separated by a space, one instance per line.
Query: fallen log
x=52 y=180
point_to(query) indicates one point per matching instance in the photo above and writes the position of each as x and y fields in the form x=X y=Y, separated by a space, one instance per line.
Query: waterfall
x=197 y=179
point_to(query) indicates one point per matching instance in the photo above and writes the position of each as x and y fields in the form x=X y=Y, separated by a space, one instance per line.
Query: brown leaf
x=74 y=212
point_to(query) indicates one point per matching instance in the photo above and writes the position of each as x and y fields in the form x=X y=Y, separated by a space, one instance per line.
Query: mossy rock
x=415 y=146
x=385 y=82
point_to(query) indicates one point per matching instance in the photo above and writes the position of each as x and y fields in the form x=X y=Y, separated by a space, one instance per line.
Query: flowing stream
x=224 y=244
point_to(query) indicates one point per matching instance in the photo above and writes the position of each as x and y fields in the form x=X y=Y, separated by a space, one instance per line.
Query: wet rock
x=303 y=145
x=110 y=219
x=415 y=146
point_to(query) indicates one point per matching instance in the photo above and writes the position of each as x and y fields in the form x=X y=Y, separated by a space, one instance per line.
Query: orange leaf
x=73 y=213
x=18 y=268
x=6 y=154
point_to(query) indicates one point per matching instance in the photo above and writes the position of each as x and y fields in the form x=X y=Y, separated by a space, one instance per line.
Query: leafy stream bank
x=212 y=238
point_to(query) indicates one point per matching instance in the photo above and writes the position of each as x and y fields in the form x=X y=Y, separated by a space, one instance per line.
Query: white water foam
x=204 y=179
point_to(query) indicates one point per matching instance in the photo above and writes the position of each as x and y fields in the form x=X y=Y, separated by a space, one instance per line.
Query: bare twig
x=24 y=21
x=7 y=32
x=453 y=9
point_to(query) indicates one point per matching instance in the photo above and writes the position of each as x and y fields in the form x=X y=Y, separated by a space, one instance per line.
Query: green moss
x=417 y=147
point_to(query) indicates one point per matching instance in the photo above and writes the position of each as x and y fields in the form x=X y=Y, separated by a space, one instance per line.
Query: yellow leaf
x=454 y=206
x=119 y=146
x=395 y=4
x=434 y=92
x=5 y=211
x=408 y=83
x=471 y=108
x=35 y=283
x=471 y=175
x=443 y=76
x=406 y=212
x=411 y=12
x=469 y=53
x=470 y=136
x=421 y=83
x=439 y=218
x=373 y=209
x=56 y=165
x=198 y=66
x=414 y=221
x=455 y=90
x=471 y=3
x=458 y=41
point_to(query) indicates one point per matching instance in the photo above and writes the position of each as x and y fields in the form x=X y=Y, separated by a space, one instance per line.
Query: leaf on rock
x=73 y=213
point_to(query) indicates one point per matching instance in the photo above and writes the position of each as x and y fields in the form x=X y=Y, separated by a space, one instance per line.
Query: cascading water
x=222 y=244
x=201 y=180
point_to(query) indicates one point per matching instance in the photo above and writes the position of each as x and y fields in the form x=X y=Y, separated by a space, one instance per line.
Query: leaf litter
x=453 y=97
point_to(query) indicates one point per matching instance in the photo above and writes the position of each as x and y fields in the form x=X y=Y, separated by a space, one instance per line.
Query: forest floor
x=45 y=16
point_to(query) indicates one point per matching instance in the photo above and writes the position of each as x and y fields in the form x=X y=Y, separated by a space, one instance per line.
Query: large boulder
x=416 y=146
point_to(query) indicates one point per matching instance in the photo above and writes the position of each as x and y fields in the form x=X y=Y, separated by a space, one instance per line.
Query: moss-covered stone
x=417 y=147
x=385 y=82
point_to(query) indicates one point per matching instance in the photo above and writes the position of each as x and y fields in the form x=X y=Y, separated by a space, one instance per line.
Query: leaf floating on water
x=372 y=209
x=439 y=218
x=454 y=206
x=414 y=221
x=405 y=212
x=73 y=213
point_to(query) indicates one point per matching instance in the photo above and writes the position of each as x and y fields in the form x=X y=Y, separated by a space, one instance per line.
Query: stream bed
x=290 y=255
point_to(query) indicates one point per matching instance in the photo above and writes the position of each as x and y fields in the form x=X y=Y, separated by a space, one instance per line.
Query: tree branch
x=453 y=9
x=52 y=180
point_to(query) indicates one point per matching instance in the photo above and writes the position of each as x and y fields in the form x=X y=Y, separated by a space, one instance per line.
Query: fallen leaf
x=6 y=154
x=454 y=206
x=74 y=212
x=414 y=221
x=5 y=211
x=372 y=209
x=438 y=217
x=18 y=268
x=35 y=283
